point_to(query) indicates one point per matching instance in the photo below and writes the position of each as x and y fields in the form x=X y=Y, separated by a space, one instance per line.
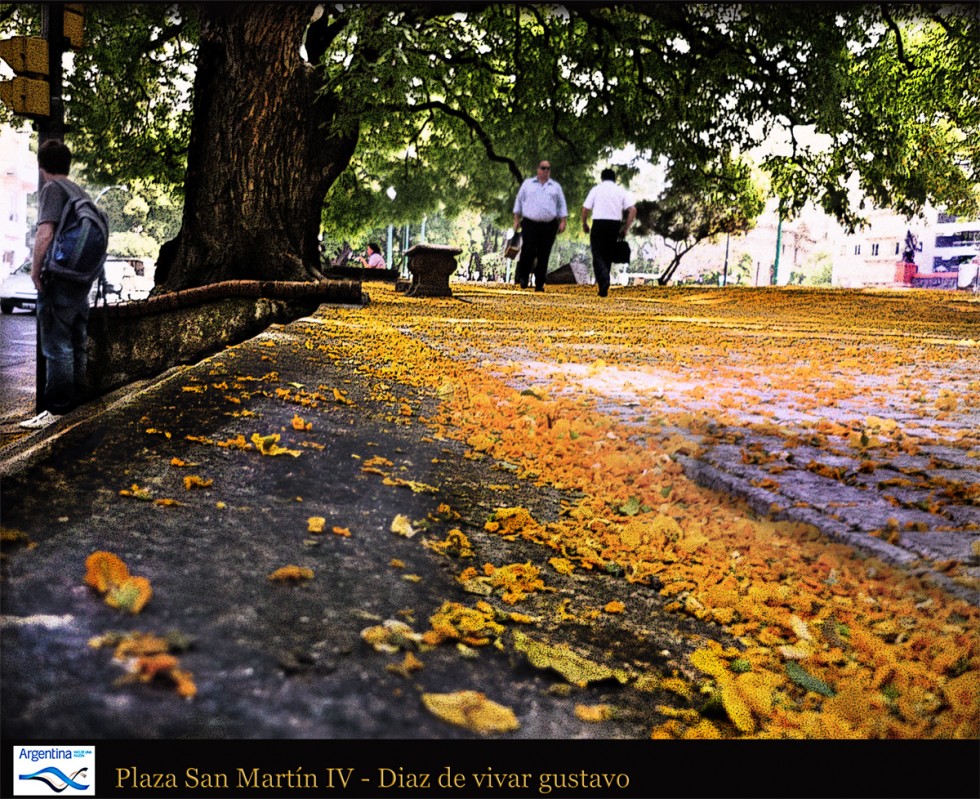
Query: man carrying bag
x=607 y=203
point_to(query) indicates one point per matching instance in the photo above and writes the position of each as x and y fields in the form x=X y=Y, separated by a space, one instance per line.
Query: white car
x=17 y=290
x=122 y=283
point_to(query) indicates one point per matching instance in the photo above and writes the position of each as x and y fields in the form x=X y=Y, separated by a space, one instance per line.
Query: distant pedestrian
x=62 y=305
x=374 y=258
x=613 y=212
x=540 y=214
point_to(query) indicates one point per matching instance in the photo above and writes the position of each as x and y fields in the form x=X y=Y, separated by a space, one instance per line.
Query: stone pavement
x=889 y=463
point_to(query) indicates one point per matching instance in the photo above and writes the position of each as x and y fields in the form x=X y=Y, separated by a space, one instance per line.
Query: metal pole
x=406 y=231
x=779 y=238
x=52 y=127
x=724 y=271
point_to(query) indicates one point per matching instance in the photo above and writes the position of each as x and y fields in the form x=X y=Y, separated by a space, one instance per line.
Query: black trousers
x=537 y=240
x=602 y=239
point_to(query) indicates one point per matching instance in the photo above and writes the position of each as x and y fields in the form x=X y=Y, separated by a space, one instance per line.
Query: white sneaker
x=43 y=419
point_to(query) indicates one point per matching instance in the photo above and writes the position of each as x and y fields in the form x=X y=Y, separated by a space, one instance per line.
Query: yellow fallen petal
x=737 y=709
x=293 y=573
x=402 y=525
x=131 y=594
x=104 y=571
x=595 y=713
x=194 y=481
x=269 y=445
x=316 y=524
x=473 y=711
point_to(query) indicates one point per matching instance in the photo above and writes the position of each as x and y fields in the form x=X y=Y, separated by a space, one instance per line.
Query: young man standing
x=540 y=207
x=608 y=204
x=62 y=306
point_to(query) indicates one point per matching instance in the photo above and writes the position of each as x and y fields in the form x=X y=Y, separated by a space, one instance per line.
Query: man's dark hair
x=608 y=174
x=54 y=156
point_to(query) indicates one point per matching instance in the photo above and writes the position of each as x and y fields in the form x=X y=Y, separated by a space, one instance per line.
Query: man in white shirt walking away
x=608 y=204
x=540 y=207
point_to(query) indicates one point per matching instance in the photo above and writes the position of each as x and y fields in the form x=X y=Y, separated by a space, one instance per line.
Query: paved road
x=18 y=333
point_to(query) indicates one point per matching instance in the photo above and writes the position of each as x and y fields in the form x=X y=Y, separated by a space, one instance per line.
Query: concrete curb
x=760 y=501
x=25 y=452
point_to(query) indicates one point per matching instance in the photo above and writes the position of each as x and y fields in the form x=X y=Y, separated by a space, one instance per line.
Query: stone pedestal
x=431 y=265
x=904 y=272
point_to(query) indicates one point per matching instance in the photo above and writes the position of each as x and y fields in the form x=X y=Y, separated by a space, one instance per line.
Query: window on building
x=874 y=249
x=898 y=247
x=857 y=249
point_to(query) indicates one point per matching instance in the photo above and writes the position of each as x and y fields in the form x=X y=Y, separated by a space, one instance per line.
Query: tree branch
x=898 y=38
x=475 y=127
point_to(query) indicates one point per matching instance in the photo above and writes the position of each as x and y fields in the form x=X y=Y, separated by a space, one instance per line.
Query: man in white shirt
x=540 y=207
x=608 y=203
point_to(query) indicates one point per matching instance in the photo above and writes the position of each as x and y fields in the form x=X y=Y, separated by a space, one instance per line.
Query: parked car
x=126 y=279
x=17 y=290
x=123 y=282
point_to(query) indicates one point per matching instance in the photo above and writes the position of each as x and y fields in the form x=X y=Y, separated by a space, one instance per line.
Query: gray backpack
x=81 y=239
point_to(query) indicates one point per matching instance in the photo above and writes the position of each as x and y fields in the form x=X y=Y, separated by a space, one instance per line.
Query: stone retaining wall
x=138 y=340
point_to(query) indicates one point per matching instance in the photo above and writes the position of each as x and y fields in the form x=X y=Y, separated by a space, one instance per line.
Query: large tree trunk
x=262 y=155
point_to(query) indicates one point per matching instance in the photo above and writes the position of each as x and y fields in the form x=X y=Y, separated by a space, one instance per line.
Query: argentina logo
x=54 y=771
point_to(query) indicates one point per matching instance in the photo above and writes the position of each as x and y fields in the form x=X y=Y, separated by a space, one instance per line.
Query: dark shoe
x=604 y=292
x=539 y=288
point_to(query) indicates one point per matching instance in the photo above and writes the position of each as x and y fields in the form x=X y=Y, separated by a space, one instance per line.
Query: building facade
x=18 y=179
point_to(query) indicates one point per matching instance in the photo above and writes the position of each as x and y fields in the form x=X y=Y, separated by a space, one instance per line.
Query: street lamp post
x=724 y=271
x=391 y=196
x=107 y=189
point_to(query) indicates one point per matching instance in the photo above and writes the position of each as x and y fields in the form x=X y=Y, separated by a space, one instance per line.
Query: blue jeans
x=62 y=315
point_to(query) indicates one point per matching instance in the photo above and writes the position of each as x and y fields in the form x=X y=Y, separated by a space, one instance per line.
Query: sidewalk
x=553 y=433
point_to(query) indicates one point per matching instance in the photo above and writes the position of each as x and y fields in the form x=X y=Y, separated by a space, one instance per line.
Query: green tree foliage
x=132 y=245
x=142 y=209
x=818 y=270
x=128 y=93
x=700 y=204
x=464 y=104
x=901 y=111
x=452 y=106
x=742 y=272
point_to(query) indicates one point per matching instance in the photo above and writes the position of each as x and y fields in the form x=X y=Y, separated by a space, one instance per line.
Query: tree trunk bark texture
x=261 y=155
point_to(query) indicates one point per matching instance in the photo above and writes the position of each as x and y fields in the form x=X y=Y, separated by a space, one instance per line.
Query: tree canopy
x=452 y=107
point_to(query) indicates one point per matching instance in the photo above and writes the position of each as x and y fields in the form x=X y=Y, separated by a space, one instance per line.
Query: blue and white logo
x=54 y=771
